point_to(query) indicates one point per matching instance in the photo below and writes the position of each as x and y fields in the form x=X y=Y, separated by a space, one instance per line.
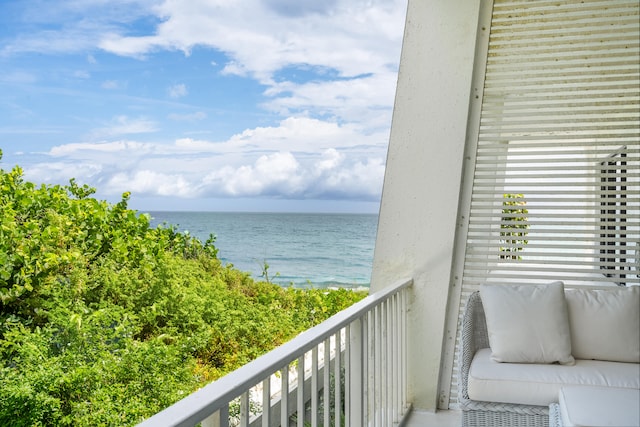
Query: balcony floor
x=449 y=418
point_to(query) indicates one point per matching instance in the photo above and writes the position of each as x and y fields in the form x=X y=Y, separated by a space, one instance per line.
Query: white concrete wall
x=422 y=183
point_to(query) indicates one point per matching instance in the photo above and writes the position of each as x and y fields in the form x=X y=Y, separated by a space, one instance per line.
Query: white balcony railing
x=364 y=382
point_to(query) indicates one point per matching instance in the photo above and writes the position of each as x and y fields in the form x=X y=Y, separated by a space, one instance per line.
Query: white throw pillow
x=605 y=323
x=527 y=323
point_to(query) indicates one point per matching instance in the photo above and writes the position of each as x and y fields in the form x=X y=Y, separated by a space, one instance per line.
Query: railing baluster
x=383 y=363
x=348 y=376
x=314 y=386
x=399 y=352
x=224 y=416
x=212 y=420
x=326 y=382
x=284 y=397
x=357 y=374
x=244 y=410
x=219 y=418
x=337 y=380
x=393 y=360
x=377 y=377
x=396 y=361
x=390 y=361
x=300 y=411
x=401 y=314
x=386 y=366
x=367 y=347
x=266 y=401
x=378 y=367
x=403 y=347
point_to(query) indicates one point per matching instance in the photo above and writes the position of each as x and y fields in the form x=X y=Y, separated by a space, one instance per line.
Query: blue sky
x=217 y=105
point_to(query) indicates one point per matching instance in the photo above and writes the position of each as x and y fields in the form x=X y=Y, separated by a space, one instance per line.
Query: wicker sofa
x=497 y=411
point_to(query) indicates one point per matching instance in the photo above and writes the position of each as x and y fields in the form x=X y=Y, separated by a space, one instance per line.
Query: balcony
x=354 y=371
x=477 y=117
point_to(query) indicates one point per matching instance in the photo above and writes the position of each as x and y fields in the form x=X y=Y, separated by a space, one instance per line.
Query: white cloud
x=330 y=159
x=72 y=26
x=359 y=179
x=178 y=91
x=301 y=158
x=136 y=47
x=188 y=145
x=358 y=36
x=151 y=183
x=234 y=68
x=123 y=125
x=294 y=134
x=274 y=174
x=62 y=172
x=301 y=134
x=73 y=149
x=373 y=90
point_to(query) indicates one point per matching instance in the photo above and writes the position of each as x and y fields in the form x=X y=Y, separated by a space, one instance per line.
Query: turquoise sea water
x=304 y=249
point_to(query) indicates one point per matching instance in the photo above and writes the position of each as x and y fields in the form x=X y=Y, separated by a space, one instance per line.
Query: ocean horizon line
x=178 y=211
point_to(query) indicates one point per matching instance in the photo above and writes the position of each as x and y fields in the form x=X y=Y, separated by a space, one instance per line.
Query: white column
x=418 y=215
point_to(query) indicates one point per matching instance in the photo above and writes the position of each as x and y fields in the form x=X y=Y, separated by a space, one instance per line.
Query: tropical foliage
x=105 y=320
x=514 y=226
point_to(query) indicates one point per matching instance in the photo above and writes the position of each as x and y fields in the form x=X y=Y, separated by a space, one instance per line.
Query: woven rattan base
x=555 y=419
x=503 y=419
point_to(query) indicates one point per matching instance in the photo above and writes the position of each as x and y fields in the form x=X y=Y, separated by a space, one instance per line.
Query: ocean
x=301 y=249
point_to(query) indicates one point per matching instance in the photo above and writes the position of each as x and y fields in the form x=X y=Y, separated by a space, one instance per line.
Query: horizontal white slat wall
x=559 y=130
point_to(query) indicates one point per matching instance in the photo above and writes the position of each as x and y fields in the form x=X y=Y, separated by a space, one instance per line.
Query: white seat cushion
x=539 y=384
x=604 y=323
x=599 y=406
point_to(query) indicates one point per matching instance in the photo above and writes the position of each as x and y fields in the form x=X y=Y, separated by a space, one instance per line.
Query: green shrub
x=106 y=321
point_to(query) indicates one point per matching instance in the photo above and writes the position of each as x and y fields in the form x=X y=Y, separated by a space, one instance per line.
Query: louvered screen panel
x=556 y=189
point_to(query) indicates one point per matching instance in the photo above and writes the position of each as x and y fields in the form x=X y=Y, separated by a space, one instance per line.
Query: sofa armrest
x=473 y=337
